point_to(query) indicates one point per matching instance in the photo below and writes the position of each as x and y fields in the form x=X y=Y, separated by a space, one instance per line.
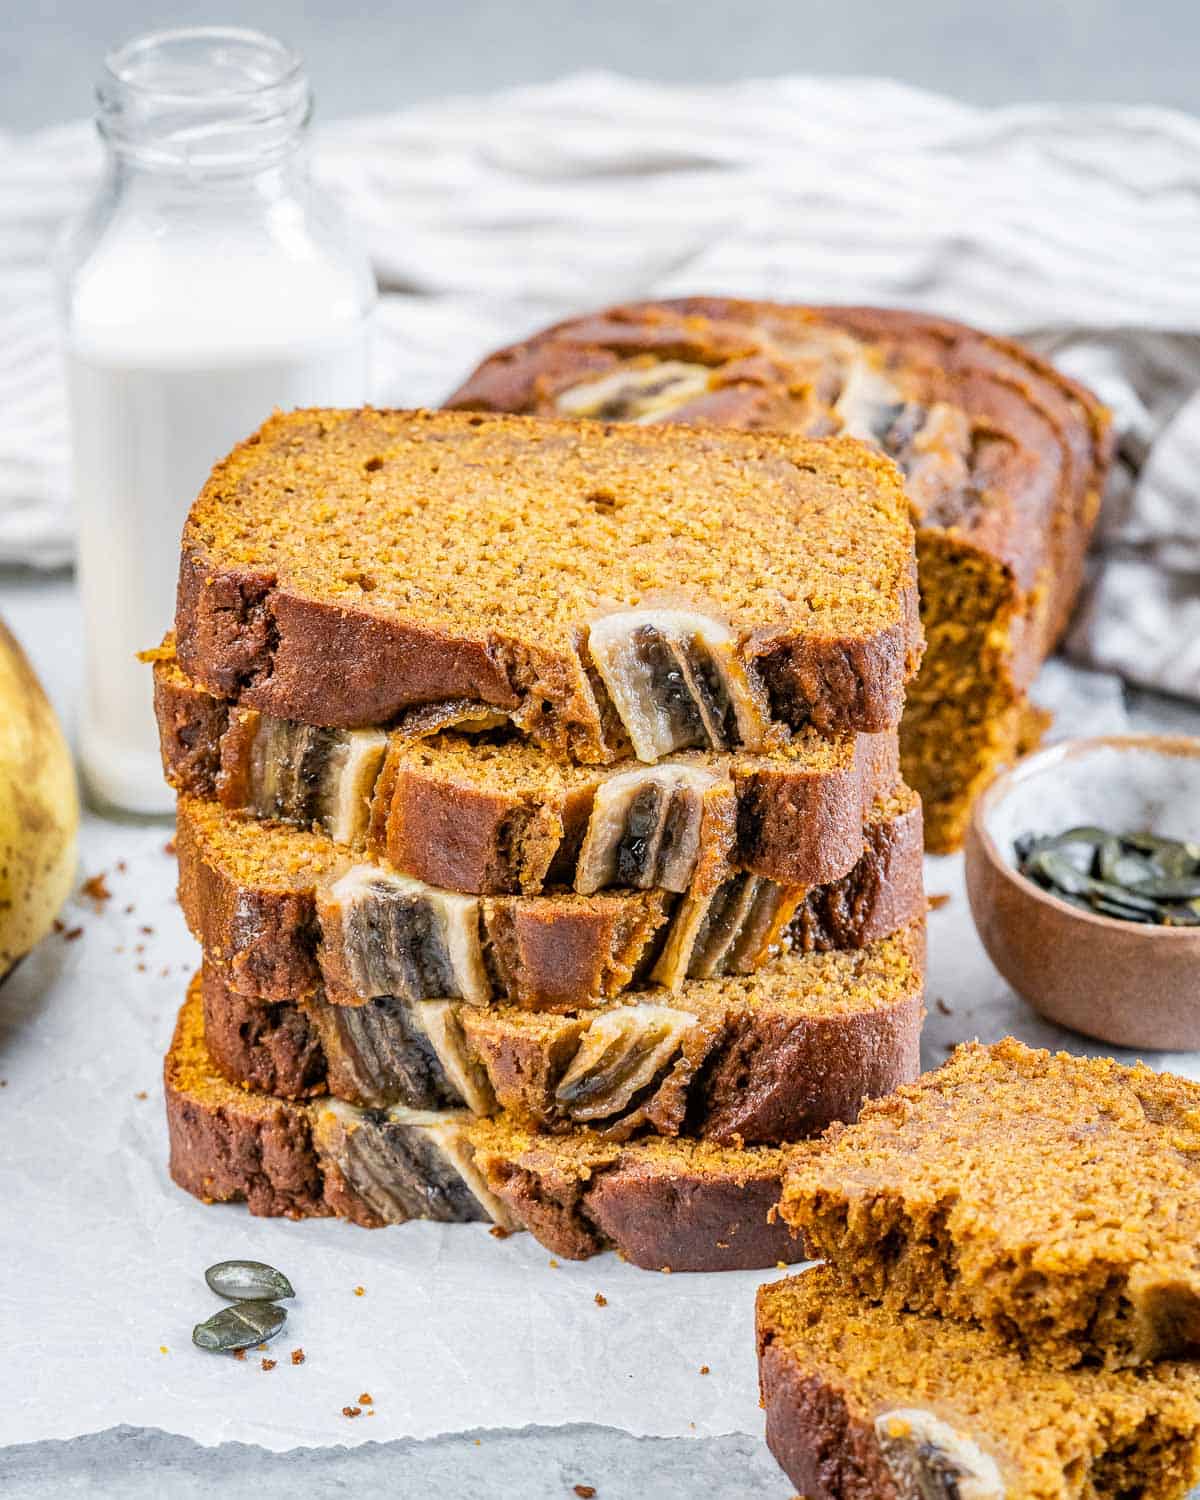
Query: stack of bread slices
x=541 y=822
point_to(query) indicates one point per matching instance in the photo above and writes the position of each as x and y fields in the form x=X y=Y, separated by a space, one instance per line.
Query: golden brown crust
x=664 y=1205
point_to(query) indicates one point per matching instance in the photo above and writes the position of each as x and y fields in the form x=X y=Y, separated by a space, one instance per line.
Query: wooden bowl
x=1126 y=983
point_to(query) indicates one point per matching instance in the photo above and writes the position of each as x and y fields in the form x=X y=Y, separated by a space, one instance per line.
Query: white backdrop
x=487 y=216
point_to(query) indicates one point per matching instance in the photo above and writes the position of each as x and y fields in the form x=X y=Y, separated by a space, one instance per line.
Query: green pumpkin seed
x=248 y=1281
x=1137 y=877
x=1171 y=888
x=239 y=1326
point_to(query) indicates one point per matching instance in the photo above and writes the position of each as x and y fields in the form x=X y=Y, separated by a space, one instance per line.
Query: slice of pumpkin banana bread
x=865 y=1404
x=284 y=911
x=610 y=589
x=1053 y=1199
x=767 y=1058
x=484 y=810
x=686 y=1205
x=1005 y=461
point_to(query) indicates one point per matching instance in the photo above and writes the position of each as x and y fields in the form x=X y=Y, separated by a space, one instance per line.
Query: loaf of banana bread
x=678 y=1204
x=865 y=1404
x=1005 y=461
x=614 y=591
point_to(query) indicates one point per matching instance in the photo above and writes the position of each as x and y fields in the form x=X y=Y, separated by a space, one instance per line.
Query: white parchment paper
x=101 y=1257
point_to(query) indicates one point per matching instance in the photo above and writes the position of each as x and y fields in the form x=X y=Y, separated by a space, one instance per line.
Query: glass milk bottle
x=208 y=283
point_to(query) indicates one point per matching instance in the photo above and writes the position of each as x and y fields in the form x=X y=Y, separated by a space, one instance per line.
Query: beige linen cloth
x=1078 y=228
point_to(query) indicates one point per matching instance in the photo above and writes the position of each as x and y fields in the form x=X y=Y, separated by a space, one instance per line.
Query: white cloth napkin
x=487 y=216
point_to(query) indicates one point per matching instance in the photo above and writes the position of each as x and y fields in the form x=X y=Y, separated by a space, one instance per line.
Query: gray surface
x=367 y=57
x=533 y=1464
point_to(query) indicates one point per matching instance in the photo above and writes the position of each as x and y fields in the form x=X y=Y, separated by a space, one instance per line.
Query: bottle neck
x=205 y=106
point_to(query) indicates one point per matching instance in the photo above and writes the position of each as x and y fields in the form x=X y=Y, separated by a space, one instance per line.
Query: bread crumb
x=367 y=1399
x=141 y=1094
x=297 y=1356
x=269 y=1364
x=585 y=1491
x=360 y=1291
x=149 y=931
x=600 y=1300
x=704 y=1370
x=162 y=1349
x=666 y=1270
x=351 y=1411
x=940 y=899
x=95 y=888
x=498 y=1232
x=553 y=1264
x=239 y=1353
x=122 y=866
x=169 y=847
x=943 y=1008
x=59 y=927
x=72 y=934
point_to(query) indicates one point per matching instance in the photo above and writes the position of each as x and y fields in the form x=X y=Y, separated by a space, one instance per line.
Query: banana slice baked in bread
x=683 y=1205
x=284 y=911
x=482 y=809
x=612 y=590
x=1053 y=1199
x=861 y=1402
x=1005 y=460
x=769 y=1057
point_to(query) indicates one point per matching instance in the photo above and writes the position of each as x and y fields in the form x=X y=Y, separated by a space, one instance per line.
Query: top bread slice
x=609 y=587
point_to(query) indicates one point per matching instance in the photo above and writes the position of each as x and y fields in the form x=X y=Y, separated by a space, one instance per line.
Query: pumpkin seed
x=248 y=1281
x=239 y=1326
x=1135 y=877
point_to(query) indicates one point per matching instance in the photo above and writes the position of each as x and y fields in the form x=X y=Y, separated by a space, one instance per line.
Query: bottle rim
x=203 y=97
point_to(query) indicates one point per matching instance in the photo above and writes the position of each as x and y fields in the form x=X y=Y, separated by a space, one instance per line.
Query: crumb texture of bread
x=852 y=1391
x=1053 y=1199
x=1005 y=459
x=341 y=566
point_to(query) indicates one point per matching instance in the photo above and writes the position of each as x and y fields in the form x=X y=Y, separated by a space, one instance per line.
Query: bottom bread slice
x=678 y=1204
x=864 y=1404
x=768 y=1057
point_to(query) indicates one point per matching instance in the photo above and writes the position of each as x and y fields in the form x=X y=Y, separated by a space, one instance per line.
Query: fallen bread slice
x=483 y=810
x=609 y=588
x=861 y=1402
x=770 y=1057
x=1053 y=1199
x=686 y=1205
x=285 y=911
